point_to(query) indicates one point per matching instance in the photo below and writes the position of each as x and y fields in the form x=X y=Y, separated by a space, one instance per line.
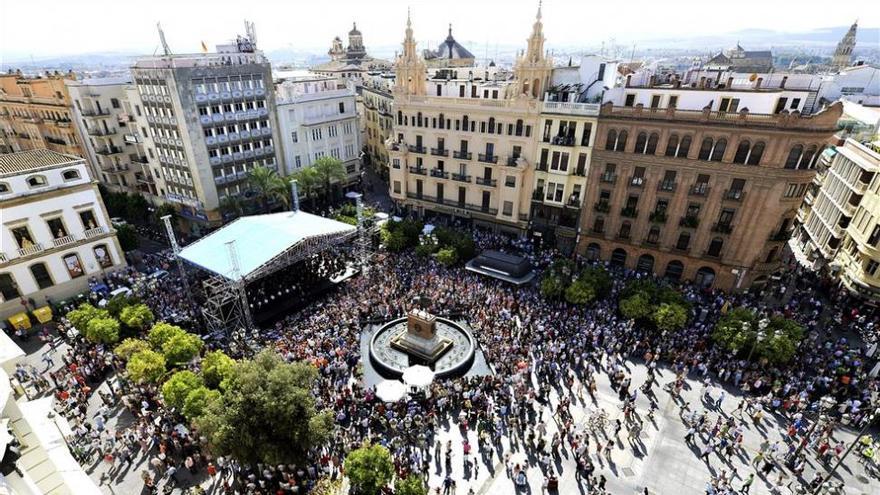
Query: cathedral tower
x=410 y=68
x=843 y=54
x=533 y=68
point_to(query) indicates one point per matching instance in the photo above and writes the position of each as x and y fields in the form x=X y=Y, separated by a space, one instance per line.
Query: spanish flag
x=204 y=47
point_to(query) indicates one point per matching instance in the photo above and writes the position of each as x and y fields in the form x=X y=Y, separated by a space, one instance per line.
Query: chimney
x=782 y=83
x=677 y=83
x=702 y=82
x=758 y=83
x=729 y=82
x=628 y=80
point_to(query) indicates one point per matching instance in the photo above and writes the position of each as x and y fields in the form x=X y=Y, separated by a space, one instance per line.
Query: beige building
x=840 y=219
x=35 y=113
x=377 y=104
x=465 y=148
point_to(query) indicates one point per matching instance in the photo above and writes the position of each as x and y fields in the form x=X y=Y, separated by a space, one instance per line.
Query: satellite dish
x=753 y=77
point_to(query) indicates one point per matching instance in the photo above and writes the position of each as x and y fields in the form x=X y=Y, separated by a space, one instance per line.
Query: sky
x=64 y=27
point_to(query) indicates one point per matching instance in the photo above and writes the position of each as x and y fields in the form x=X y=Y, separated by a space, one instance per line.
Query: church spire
x=843 y=53
x=533 y=68
x=410 y=67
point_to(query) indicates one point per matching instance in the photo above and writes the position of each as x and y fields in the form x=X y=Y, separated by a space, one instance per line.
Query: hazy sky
x=56 y=27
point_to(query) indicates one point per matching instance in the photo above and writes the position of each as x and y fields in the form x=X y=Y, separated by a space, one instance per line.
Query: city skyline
x=127 y=30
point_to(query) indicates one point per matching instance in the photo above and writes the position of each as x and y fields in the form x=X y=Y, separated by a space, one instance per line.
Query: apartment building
x=376 y=102
x=317 y=117
x=35 y=113
x=210 y=116
x=56 y=232
x=700 y=183
x=839 y=222
x=465 y=147
x=106 y=111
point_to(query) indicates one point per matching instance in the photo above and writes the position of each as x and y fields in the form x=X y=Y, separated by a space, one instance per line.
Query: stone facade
x=708 y=196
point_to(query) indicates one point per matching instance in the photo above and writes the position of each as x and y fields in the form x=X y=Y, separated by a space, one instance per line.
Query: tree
x=128 y=239
x=329 y=170
x=138 y=316
x=146 y=366
x=740 y=328
x=737 y=330
x=136 y=208
x=267 y=413
x=580 y=292
x=232 y=206
x=197 y=402
x=130 y=346
x=552 y=287
x=103 y=330
x=426 y=249
x=636 y=307
x=411 y=485
x=166 y=209
x=268 y=186
x=394 y=241
x=119 y=302
x=597 y=278
x=181 y=348
x=307 y=183
x=217 y=367
x=669 y=317
x=178 y=387
x=370 y=468
x=447 y=256
x=85 y=313
x=161 y=333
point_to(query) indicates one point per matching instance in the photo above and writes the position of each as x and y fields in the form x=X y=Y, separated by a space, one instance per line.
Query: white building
x=56 y=232
x=317 y=117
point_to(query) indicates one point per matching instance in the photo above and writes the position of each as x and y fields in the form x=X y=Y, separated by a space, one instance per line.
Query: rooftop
x=101 y=81
x=26 y=161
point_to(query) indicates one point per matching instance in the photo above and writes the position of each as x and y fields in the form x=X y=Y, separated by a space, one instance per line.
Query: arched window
x=718 y=150
x=4 y=188
x=37 y=181
x=706 y=149
x=794 y=156
x=618 y=257
x=519 y=127
x=771 y=256
x=419 y=119
x=685 y=147
x=674 y=270
x=652 y=144
x=491 y=125
x=641 y=142
x=756 y=154
x=645 y=263
x=807 y=159
x=611 y=142
x=464 y=122
x=400 y=117
x=621 y=141
x=594 y=251
x=526 y=88
x=742 y=151
x=715 y=247
x=41 y=275
x=705 y=277
x=70 y=174
x=442 y=121
x=536 y=88
x=672 y=145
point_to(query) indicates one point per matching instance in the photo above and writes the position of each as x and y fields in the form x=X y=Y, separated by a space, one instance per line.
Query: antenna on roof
x=162 y=39
x=251 y=32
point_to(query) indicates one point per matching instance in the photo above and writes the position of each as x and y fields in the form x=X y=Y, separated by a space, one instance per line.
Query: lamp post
x=825 y=404
x=762 y=326
x=870 y=419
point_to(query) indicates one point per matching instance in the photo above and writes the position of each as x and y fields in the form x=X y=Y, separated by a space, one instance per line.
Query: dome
x=354 y=30
x=449 y=49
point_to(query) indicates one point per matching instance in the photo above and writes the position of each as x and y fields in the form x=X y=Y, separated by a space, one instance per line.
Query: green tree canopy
x=197 y=402
x=130 y=346
x=161 y=333
x=85 y=313
x=740 y=328
x=146 y=366
x=447 y=256
x=580 y=292
x=370 y=468
x=597 y=278
x=267 y=413
x=128 y=239
x=636 y=306
x=119 y=302
x=138 y=316
x=178 y=386
x=217 y=367
x=103 y=330
x=268 y=186
x=181 y=348
x=669 y=317
x=552 y=287
x=411 y=485
x=329 y=171
x=307 y=183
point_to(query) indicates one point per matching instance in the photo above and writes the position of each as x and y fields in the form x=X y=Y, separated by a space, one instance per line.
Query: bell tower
x=533 y=67
x=410 y=68
x=843 y=54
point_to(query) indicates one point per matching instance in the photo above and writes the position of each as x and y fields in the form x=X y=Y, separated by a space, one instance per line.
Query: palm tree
x=329 y=170
x=232 y=205
x=307 y=183
x=268 y=185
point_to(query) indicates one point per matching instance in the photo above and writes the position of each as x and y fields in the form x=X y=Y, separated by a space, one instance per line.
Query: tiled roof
x=24 y=161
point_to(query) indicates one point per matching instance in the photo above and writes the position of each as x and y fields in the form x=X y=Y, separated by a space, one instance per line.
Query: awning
x=20 y=321
x=799 y=254
x=43 y=315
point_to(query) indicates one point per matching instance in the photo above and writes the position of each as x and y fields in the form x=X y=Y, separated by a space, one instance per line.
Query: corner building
x=700 y=183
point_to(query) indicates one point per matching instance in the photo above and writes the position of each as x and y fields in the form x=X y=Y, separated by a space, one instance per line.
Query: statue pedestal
x=420 y=338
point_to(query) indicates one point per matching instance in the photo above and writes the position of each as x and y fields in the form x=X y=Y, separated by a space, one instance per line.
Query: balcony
x=462 y=155
x=63 y=241
x=95 y=113
x=131 y=138
x=108 y=150
x=487 y=158
x=608 y=177
x=138 y=159
x=439 y=152
x=542 y=167
x=417 y=149
x=54 y=140
x=629 y=212
x=690 y=222
x=782 y=236
x=419 y=171
x=512 y=161
x=440 y=174
x=666 y=186
x=636 y=181
x=461 y=177
x=95 y=232
x=573 y=203
x=602 y=206
x=582 y=172
x=538 y=194
x=563 y=141
x=485 y=181
x=115 y=169
x=591 y=109
x=32 y=249
x=98 y=131
x=722 y=228
x=734 y=194
x=699 y=190
x=657 y=216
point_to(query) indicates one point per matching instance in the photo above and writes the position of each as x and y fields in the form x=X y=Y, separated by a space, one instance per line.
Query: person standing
x=747 y=484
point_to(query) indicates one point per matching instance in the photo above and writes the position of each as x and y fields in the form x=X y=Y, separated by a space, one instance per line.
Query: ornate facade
x=351 y=62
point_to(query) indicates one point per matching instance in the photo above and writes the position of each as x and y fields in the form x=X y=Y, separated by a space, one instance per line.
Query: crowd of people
x=545 y=357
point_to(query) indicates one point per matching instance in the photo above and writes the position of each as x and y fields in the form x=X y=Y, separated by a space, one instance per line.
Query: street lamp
x=870 y=419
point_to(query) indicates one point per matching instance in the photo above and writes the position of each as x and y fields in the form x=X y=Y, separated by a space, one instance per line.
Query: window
x=41 y=275
x=874 y=238
x=22 y=236
x=671 y=145
x=638 y=177
x=795 y=102
x=508 y=208
x=794 y=156
x=510 y=181
x=37 y=181
x=718 y=150
x=8 y=287
x=599 y=225
x=630 y=100
x=114 y=103
x=341 y=107
x=397 y=186
x=621 y=141
x=87 y=217
x=795 y=190
x=70 y=174
x=56 y=227
x=625 y=230
x=294 y=137
x=742 y=151
x=684 y=240
x=684 y=148
x=755 y=154
x=641 y=142
x=780 y=105
x=611 y=141
x=728 y=105
x=102 y=255
x=4 y=188
x=651 y=148
x=297 y=161
x=715 y=247
x=655 y=101
x=673 y=101
x=653 y=235
x=706 y=149
x=871 y=268
x=73 y=265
